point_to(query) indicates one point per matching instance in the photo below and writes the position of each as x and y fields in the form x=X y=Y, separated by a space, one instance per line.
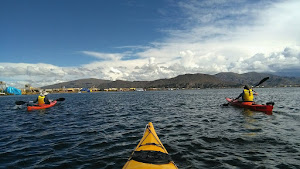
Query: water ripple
x=100 y=130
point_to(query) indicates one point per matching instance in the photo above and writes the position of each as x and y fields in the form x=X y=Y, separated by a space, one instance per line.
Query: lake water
x=100 y=130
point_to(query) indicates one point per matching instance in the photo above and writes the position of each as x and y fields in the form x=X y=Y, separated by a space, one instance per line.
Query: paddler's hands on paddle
x=226 y=104
x=254 y=92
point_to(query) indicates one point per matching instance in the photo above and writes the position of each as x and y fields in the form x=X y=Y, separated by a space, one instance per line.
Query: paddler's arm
x=47 y=100
x=239 y=96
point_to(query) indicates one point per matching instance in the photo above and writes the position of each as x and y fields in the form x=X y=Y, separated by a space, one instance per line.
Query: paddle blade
x=20 y=102
x=60 y=99
x=225 y=104
x=263 y=80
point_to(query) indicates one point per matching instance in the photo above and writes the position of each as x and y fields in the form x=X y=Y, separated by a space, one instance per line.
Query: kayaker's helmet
x=247 y=87
x=43 y=93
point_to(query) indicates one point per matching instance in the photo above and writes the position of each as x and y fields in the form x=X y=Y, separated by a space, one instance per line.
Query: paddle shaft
x=263 y=80
x=23 y=102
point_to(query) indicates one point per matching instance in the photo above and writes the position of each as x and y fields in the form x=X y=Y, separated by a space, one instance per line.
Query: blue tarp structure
x=85 y=89
x=12 y=90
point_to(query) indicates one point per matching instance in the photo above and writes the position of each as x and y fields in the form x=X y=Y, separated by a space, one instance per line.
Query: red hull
x=29 y=108
x=256 y=107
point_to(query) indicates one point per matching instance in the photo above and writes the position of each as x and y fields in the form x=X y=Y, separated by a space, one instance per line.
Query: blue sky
x=40 y=31
x=52 y=41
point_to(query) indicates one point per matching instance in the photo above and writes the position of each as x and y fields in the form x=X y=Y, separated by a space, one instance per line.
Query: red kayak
x=267 y=108
x=44 y=106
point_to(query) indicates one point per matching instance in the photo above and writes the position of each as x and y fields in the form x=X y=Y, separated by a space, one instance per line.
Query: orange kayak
x=44 y=106
x=150 y=153
x=267 y=108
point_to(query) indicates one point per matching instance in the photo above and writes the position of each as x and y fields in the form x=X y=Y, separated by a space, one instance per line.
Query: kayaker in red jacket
x=247 y=95
x=42 y=98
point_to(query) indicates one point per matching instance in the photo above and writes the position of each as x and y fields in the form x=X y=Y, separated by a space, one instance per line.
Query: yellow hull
x=150 y=153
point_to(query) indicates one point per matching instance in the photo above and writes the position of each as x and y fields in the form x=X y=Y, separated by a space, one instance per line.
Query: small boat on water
x=267 y=108
x=44 y=106
x=150 y=153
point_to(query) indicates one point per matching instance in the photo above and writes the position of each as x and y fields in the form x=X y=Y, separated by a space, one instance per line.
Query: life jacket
x=41 y=100
x=248 y=95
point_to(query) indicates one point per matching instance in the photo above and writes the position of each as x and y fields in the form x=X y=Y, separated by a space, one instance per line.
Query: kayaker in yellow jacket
x=247 y=95
x=42 y=98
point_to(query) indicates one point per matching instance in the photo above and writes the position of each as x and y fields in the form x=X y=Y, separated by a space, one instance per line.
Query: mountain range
x=224 y=79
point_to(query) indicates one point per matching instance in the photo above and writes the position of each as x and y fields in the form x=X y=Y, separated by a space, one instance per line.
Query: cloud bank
x=215 y=36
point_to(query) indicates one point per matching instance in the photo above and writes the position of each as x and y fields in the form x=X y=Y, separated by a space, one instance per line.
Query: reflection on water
x=250 y=123
x=100 y=130
x=247 y=112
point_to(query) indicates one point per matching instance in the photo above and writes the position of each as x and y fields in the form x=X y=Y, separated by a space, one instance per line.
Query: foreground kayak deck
x=150 y=153
x=30 y=108
x=268 y=108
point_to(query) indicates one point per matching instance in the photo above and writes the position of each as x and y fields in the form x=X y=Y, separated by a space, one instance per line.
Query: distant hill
x=191 y=81
x=227 y=79
x=81 y=83
x=288 y=73
x=252 y=78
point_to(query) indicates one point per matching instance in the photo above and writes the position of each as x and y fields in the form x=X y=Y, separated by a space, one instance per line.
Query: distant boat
x=13 y=91
x=85 y=90
x=139 y=89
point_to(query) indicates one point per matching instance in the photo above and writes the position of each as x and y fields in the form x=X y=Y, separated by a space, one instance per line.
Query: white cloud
x=216 y=36
x=104 y=56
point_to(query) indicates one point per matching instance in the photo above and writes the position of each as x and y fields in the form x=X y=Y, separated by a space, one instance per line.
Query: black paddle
x=263 y=80
x=22 y=102
x=60 y=99
x=259 y=83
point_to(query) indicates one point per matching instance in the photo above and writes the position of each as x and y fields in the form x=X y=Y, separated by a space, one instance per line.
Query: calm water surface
x=100 y=130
